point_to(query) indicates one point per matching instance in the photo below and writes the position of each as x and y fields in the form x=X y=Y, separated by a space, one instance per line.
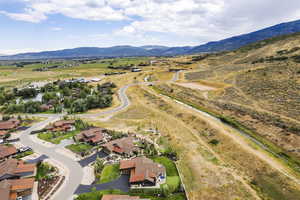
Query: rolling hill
x=156 y=50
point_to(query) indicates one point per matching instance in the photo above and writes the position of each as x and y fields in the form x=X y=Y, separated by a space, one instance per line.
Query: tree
x=78 y=105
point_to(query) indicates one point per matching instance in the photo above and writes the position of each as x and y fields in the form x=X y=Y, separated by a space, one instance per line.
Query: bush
x=214 y=142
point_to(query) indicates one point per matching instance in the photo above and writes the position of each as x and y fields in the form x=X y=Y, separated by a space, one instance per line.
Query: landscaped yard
x=80 y=148
x=24 y=154
x=173 y=179
x=56 y=138
x=43 y=171
x=110 y=173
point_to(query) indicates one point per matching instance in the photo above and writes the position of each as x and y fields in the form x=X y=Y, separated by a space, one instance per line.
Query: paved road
x=73 y=180
x=75 y=175
x=122 y=183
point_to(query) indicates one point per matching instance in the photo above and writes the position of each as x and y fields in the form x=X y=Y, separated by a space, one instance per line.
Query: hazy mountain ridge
x=158 y=50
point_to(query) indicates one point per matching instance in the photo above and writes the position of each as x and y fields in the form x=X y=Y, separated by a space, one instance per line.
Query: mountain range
x=157 y=50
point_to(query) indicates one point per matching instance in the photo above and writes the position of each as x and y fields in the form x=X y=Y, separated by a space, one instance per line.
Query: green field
x=12 y=75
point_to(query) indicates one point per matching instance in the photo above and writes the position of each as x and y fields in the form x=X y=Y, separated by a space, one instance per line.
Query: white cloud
x=56 y=28
x=201 y=20
x=29 y=15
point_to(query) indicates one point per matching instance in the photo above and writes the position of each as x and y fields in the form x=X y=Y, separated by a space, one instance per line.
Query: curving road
x=75 y=172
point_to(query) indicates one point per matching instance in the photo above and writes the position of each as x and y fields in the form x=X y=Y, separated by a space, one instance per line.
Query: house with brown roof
x=92 y=136
x=11 y=189
x=9 y=124
x=124 y=146
x=14 y=169
x=143 y=172
x=7 y=151
x=120 y=197
x=61 y=126
x=3 y=134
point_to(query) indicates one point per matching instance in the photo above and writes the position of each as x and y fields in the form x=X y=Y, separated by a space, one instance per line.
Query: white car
x=19 y=198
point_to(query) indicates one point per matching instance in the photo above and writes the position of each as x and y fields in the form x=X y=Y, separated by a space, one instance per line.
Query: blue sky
x=36 y=25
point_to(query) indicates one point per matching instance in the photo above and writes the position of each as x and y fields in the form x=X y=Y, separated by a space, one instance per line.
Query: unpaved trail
x=236 y=136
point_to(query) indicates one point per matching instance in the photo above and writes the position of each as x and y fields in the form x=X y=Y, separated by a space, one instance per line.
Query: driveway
x=37 y=160
x=122 y=183
x=86 y=161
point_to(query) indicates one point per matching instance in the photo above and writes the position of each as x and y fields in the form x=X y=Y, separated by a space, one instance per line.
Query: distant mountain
x=157 y=50
x=242 y=40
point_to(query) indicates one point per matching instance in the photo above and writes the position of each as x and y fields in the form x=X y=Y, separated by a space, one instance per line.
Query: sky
x=38 y=25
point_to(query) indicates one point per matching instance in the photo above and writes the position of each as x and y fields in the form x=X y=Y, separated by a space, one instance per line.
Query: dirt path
x=195 y=133
x=239 y=139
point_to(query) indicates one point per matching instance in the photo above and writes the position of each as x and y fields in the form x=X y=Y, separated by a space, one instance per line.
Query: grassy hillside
x=262 y=88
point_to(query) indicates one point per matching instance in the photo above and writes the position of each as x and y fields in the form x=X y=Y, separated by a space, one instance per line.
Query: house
x=15 y=169
x=124 y=146
x=143 y=172
x=7 y=151
x=3 y=134
x=135 y=69
x=9 y=124
x=92 y=136
x=61 y=126
x=120 y=197
x=12 y=189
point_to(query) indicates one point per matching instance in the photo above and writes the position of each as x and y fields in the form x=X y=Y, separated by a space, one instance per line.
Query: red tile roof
x=6 y=151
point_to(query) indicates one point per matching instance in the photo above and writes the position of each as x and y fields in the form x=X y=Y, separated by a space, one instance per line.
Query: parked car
x=23 y=149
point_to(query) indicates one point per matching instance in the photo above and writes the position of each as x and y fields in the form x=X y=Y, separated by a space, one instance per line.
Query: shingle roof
x=91 y=135
x=9 y=124
x=123 y=145
x=21 y=184
x=6 y=151
x=14 y=167
x=142 y=168
x=5 y=190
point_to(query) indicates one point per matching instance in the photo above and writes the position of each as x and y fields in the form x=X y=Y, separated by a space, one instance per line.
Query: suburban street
x=74 y=175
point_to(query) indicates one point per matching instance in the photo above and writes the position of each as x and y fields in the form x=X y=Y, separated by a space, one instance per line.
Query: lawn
x=169 y=165
x=80 y=148
x=56 y=138
x=43 y=171
x=110 y=173
x=173 y=179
